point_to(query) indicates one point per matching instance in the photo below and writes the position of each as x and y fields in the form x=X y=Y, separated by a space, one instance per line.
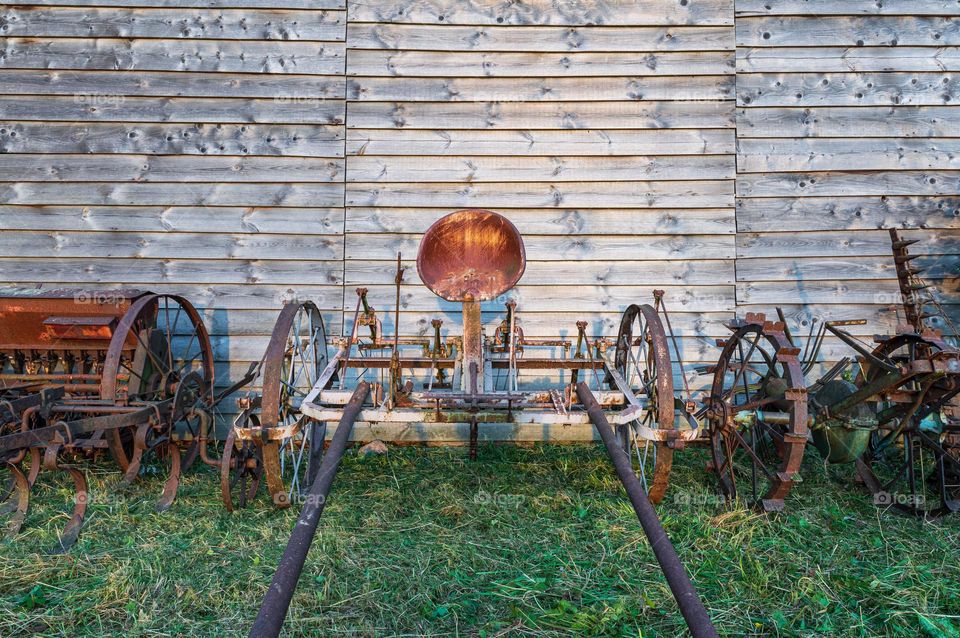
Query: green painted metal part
x=842 y=439
x=840 y=442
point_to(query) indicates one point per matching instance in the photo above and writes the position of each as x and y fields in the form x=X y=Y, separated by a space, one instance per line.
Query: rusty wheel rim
x=296 y=355
x=913 y=469
x=757 y=462
x=160 y=340
x=642 y=359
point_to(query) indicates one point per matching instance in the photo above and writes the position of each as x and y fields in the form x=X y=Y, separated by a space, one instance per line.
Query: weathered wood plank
x=770 y=293
x=840 y=267
x=248 y=219
x=802 y=317
x=219 y=304
x=180 y=22
x=848 y=183
x=812 y=31
x=503 y=64
x=208 y=4
x=836 y=244
x=535 y=324
x=850 y=154
x=847 y=59
x=173 y=245
x=543 y=12
x=880 y=320
x=209 y=56
x=226 y=297
x=538 y=143
x=847 y=7
x=552 y=221
x=167 y=168
x=563 y=248
x=113 y=108
x=107 y=86
x=366 y=168
x=556 y=39
x=258 y=322
x=443 y=434
x=539 y=115
x=148 y=271
x=847 y=213
x=170 y=194
x=456 y=89
x=703 y=194
x=239 y=322
x=543 y=273
x=170 y=139
x=847 y=89
x=550 y=298
x=880 y=121
x=145 y=272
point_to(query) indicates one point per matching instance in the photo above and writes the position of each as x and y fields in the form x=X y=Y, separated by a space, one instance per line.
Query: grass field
x=525 y=541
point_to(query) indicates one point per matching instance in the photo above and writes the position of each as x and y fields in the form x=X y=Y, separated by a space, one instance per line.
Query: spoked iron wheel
x=912 y=463
x=642 y=359
x=758 y=416
x=241 y=466
x=160 y=351
x=295 y=357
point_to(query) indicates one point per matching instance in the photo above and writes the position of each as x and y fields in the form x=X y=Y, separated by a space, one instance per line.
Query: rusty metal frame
x=67 y=358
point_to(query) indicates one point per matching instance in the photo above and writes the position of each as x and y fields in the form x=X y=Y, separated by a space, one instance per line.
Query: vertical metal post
x=512 y=383
x=683 y=591
x=278 y=597
x=472 y=346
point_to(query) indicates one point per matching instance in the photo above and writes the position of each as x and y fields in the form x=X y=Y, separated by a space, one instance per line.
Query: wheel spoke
x=149 y=352
x=166 y=320
x=186 y=351
x=744 y=362
x=749 y=449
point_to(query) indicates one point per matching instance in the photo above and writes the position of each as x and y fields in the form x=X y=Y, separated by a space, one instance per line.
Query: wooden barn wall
x=246 y=152
x=848 y=115
x=603 y=130
x=177 y=146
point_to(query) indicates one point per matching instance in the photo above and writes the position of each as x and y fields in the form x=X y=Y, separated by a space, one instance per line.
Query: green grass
x=525 y=541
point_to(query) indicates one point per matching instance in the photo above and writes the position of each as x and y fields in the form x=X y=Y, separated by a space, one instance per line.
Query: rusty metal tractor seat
x=471 y=255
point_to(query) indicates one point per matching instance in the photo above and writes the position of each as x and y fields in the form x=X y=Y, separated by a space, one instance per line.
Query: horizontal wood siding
x=846 y=126
x=738 y=154
x=604 y=131
x=177 y=146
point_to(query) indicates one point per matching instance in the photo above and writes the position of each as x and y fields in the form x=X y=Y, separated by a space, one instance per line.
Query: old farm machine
x=625 y=391
x=83 y=373
x=129 y=374
x=888 y=409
